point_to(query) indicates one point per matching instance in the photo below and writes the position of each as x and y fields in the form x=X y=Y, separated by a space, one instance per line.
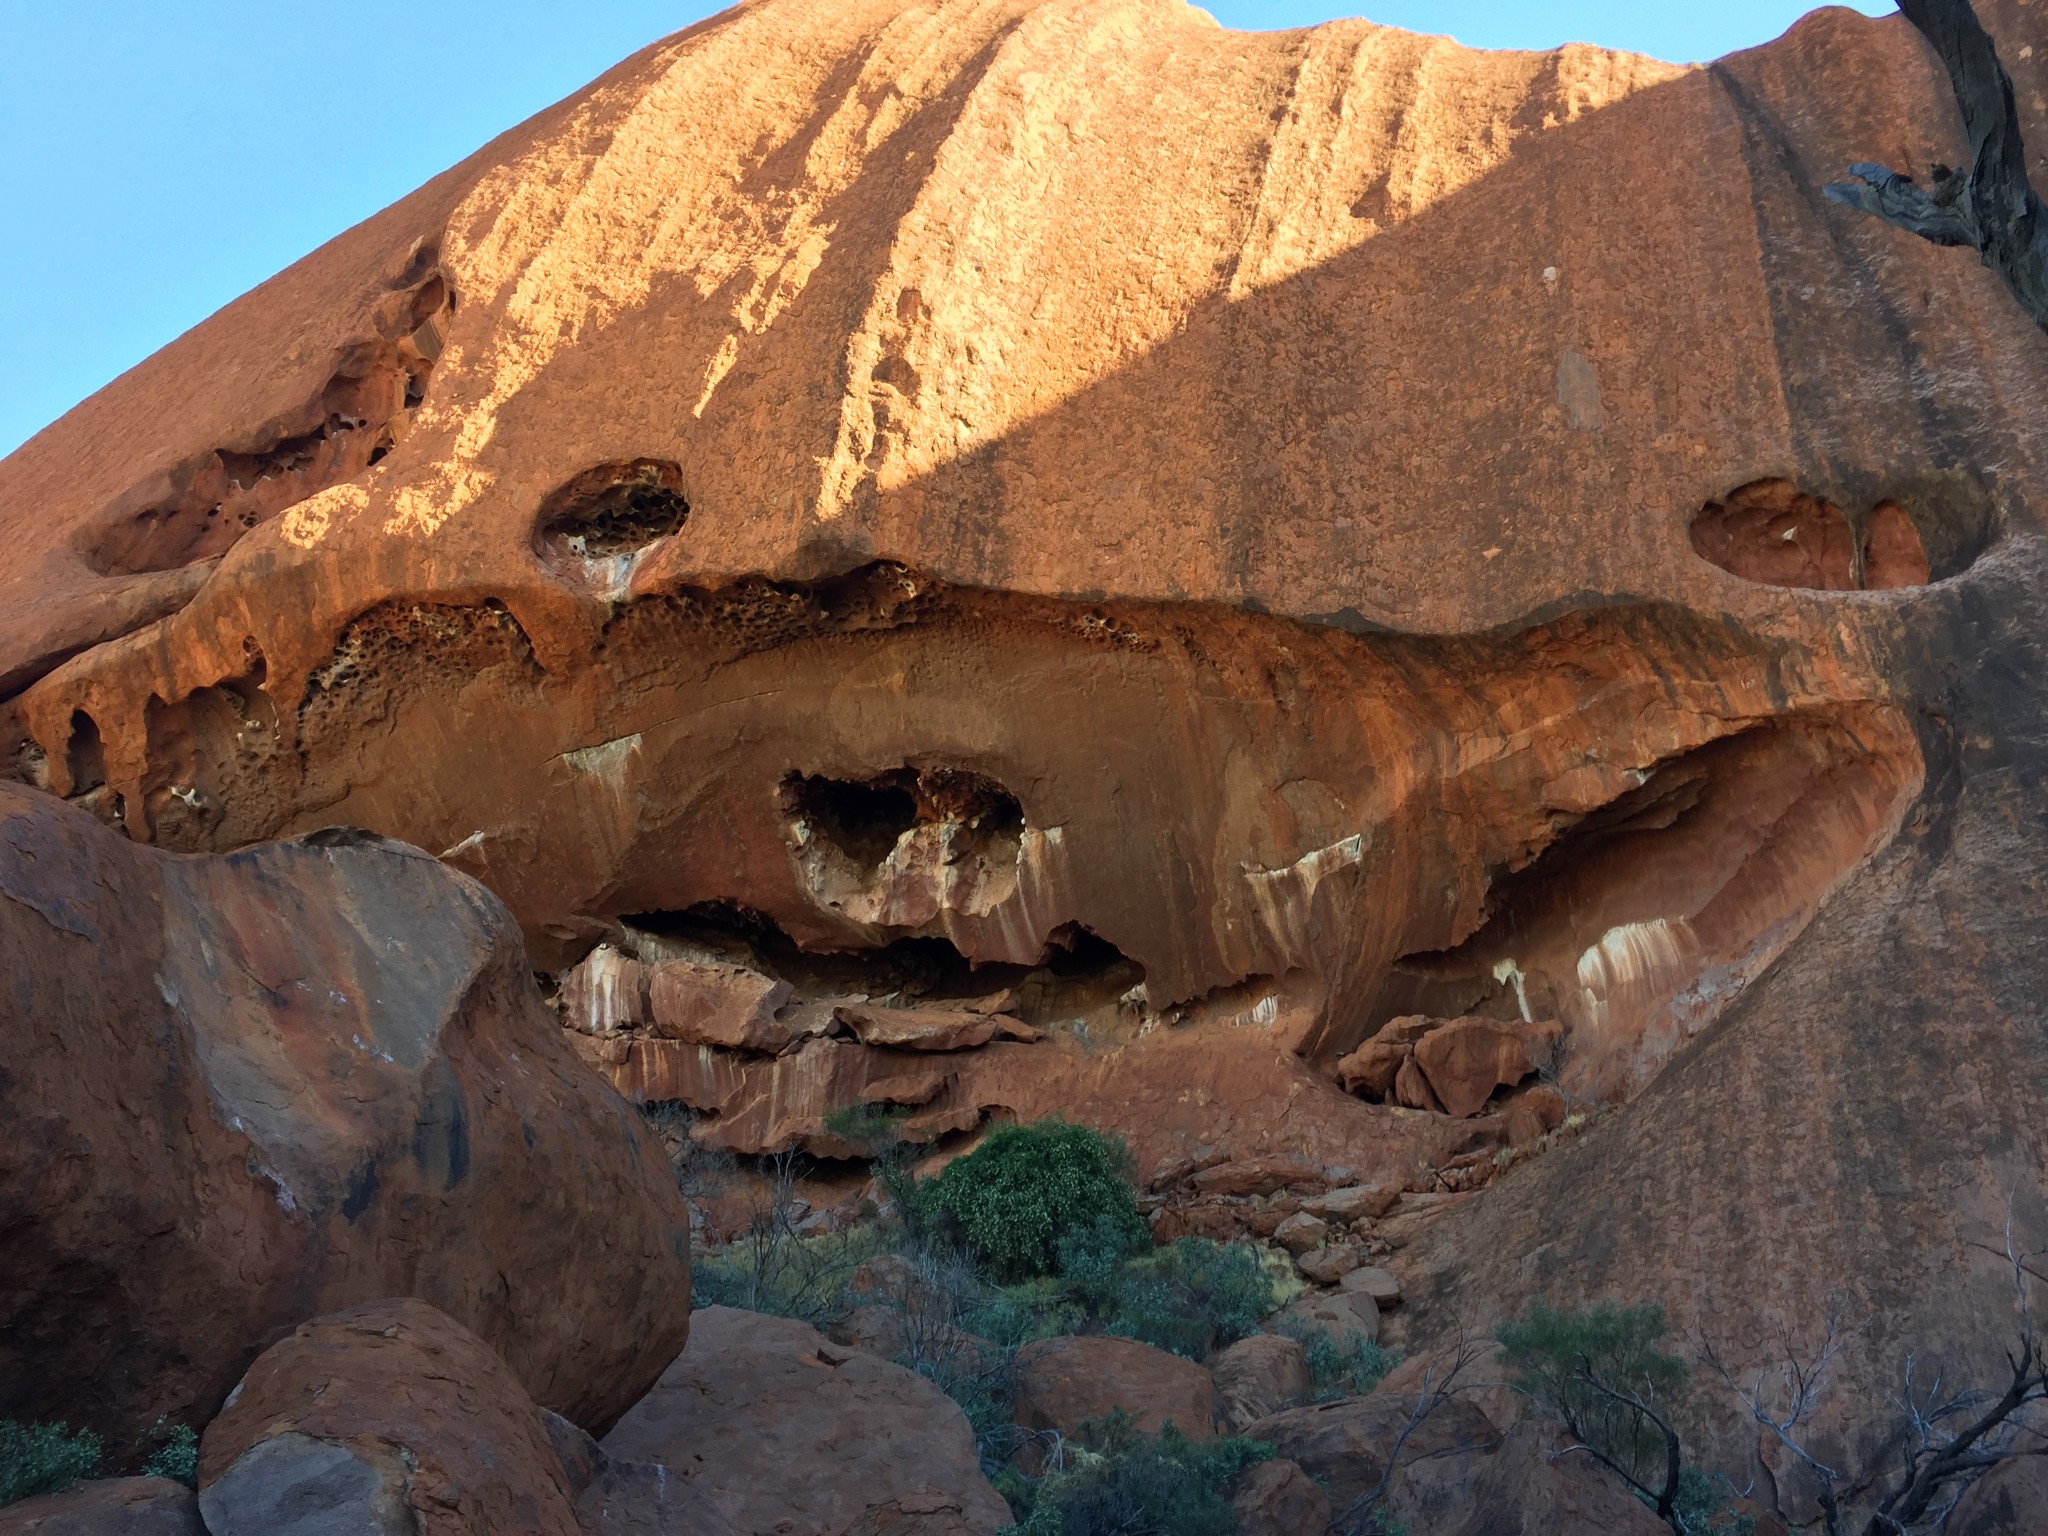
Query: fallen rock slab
x=1344 y=1445
x=386 y=1417
x=112 y=1506
x=929 y=1029
x=1277 y=1498
x=1466 y=1059
x=723 y=1005
x=244 y=1090
x=788 y=1434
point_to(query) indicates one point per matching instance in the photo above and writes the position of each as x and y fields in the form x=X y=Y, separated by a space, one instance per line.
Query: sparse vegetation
x=775 y=1267
x=1348 y=1367
x=1112 y=1481
x=176 y=1455
x=43 y=1458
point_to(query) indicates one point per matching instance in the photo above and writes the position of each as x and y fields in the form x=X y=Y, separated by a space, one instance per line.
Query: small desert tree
x=1600 y=1373
x=1943 y=1439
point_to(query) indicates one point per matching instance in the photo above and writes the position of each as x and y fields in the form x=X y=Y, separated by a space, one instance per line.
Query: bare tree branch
x=1437 y=1387
x=1992 y=207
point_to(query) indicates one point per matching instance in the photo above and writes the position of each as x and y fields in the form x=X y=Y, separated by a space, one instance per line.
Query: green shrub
x=1193 y=1296
x=1120 y=1483
x=1347 y=1367
x=1027 y=1187
x=177 y=1457
x=43 y=1458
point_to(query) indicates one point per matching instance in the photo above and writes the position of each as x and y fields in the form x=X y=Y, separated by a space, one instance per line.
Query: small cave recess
x=1771 y=531
x=610 y=511
x=201 y=507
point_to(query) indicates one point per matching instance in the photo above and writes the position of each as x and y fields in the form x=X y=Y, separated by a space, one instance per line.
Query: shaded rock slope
x=1013 y=555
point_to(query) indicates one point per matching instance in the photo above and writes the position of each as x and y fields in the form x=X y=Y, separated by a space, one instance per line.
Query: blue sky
x=158 y=159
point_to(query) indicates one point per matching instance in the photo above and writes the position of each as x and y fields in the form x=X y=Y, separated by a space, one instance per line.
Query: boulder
x=1353 y=1202
x=1259 y=1376
x=1300 y=1232
x=724 y=1005
x=1344 y=1444
x=1374 y=1066
x=1412 y=1089
x=1531 y=1114
x=614 y=1496
x=1062 y=1384
x=787 y=1433
x=604 y=992
x=1466 y=1059
x=113 y=1506
x=1258 y=1176
x=1277 y=1498
x=1381 y=1286
x=1328 y=1264
x=391 y=1417
x=1338 y=1314
x=920 y=1029
x=320 y=1074
x=2009 y=1500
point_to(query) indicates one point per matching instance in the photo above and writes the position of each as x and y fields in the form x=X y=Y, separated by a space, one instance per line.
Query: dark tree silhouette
x=1990 y=208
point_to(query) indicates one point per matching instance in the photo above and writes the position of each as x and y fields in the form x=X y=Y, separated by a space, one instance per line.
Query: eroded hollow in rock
x=611 y=511
x=905 y=848
x=1259 y=816
x=201 y=507
x=1773 y=532
x=1646 y=914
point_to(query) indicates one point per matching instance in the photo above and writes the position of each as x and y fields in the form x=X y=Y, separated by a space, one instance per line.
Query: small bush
x=43 y=1458
x=177 y=1457
x=1348 y=1367
x=1194 y=1296
x=1120 y=1483
x=1599 y=1370
x=773 y=1267
x=1028 y=1187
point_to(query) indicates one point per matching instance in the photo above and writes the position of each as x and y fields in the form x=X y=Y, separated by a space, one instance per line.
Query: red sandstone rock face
x=388 y=1416
x=242 y=1090
x=1201 y=531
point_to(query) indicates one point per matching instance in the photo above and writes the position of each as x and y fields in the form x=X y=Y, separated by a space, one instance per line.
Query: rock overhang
x=979 y=392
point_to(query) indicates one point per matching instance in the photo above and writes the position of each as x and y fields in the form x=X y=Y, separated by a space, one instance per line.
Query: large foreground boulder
x=386 y=1418
x=792 y=1435
x=238 y=1092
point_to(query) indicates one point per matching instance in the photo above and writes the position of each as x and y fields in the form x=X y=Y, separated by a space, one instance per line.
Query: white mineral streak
x=1633 y=956
x=1285 y=899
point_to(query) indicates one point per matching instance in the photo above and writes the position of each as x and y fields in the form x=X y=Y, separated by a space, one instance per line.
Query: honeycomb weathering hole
x=1771 y=531
x=611 y=510
x=902 y=850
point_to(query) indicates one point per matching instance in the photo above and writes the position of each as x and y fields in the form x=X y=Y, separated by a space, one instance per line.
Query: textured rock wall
x=1296 y=493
